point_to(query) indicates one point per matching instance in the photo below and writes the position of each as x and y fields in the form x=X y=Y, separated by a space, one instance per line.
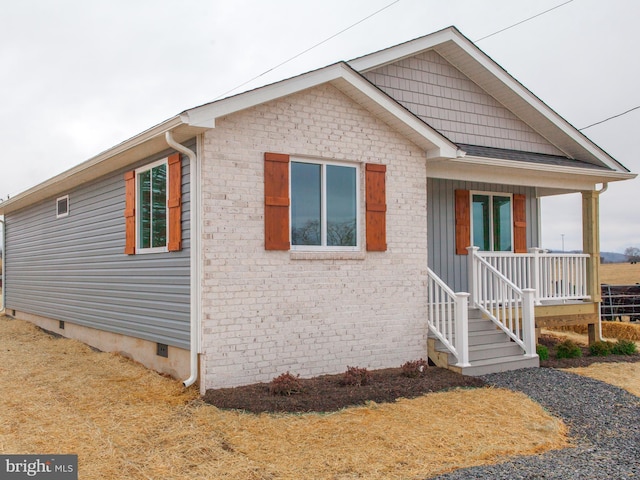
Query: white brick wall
x=450 y=102
x=266 y=312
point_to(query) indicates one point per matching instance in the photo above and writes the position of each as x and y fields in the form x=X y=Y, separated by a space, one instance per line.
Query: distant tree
x=632 y=254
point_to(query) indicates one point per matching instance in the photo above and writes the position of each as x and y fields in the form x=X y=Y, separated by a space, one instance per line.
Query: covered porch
x=493 y=324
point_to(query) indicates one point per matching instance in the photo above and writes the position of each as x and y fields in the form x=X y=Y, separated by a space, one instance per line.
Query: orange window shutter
x=519 y=223
x=463 y=221
x=130 y=212
x=276 y=201
x=175 y=203
x=376 y=207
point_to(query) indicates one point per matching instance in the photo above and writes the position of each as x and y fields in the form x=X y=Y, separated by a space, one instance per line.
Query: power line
x=308 y=49
x=610 y=118
x=521 y=22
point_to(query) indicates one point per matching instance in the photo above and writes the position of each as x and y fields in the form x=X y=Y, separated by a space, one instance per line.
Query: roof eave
x=509 y=172
x=147 y=143
x=352 y=84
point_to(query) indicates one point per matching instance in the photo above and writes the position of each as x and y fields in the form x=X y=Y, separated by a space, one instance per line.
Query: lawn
x=125 y=421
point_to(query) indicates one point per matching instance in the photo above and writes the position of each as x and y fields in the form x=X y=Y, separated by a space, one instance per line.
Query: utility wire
x=610 y=118
x=308 y=49
x=521 y=22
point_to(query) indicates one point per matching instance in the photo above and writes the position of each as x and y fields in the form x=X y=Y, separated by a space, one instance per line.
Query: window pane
x=481 y=226
x=341 y=206
x=305 y=203
x=501 y=224
x=144 y=209
x=159 y=206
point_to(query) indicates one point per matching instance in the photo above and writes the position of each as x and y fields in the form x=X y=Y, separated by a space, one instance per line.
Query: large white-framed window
x=151 y=207
x=324 y=205
x=492 y=221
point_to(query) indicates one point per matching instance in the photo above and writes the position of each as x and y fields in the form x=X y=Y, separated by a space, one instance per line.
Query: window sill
x=333 y=255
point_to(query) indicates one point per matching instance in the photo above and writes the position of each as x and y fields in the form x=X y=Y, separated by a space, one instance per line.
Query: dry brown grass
x=611 y=331
x=125 y=421
x=623 y=375
x=620 y=273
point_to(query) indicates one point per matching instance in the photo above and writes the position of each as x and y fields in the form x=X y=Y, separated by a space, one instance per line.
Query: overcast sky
x=78 y=76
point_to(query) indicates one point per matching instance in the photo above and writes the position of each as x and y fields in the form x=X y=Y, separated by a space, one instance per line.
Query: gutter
x=194 y=218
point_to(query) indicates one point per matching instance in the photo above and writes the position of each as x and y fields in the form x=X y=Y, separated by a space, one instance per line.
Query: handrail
x=502 y=301
x=448 y=317
x=554 y=276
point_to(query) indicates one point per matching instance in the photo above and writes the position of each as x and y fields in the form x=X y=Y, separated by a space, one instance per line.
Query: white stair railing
x=448 y=317
x=502 y=301
x=553 y=276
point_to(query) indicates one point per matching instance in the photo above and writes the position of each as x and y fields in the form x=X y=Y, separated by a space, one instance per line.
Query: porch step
x=490 y=350
x=495 y=365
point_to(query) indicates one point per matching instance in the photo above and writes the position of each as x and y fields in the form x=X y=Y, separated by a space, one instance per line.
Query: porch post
x=591 y=245
x=462 y=328
x=529 y=322
x=473 y=275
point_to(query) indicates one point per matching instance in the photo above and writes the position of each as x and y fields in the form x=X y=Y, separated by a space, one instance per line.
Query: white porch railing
x=448 y=317
x=502 y=301
x=553 y=276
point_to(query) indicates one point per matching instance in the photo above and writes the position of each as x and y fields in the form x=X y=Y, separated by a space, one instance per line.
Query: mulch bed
x=327 y=394
x=551 y=341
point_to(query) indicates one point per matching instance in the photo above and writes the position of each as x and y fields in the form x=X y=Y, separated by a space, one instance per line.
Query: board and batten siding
x=449 y=101
x=441 y=234
x=74 y=268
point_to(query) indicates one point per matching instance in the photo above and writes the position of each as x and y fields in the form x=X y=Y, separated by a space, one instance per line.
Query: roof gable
x=442 y=96
x=468 y=59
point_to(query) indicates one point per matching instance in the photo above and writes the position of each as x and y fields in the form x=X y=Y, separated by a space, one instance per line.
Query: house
x=322 y=221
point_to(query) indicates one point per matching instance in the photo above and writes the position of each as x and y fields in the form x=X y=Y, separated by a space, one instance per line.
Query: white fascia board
x=481 y=169
x=437 y=146
x=451 y=36
x=532 y=100
x=136 y=148
x=402 y=51
x=205 y=115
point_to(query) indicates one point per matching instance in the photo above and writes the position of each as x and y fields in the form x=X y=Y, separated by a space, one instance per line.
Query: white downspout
x=194 y=218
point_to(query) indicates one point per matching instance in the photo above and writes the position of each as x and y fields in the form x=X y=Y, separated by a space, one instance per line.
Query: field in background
x=620 y=273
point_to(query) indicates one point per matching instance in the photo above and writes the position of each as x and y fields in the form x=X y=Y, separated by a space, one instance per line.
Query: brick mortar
x=267 y=312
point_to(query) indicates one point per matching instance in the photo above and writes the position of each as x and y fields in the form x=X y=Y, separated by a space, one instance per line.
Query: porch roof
x=520 y=156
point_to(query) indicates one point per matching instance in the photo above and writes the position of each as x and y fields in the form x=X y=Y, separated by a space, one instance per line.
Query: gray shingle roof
x=531 y=157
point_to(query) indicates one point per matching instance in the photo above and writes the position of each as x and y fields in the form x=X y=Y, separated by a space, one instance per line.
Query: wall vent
x=162 y=350
x=61 y=325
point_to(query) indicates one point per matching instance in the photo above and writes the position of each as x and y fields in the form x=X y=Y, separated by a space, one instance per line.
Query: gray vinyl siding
x=74 y=269
x=443 y=260
x=446 y=99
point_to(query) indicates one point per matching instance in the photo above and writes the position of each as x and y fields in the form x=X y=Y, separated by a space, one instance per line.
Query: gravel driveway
x=603 y=421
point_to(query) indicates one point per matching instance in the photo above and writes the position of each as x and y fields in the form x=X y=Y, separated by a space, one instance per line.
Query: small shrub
x=286 y=384
x=543 y=352
x=356 y=376
x=600 y=349
x=415 y=368
x=568 y=349
x=624 y=347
